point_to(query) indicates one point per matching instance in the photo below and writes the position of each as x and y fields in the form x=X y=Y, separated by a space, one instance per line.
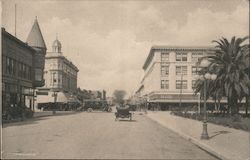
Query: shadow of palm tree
x=218 y=133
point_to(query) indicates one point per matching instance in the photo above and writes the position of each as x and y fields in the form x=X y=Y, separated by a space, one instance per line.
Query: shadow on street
x=126 y=120
x=218 y=133
x=34 y=120
x=25 y=122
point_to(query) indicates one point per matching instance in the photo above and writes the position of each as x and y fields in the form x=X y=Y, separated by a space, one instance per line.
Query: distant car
x=123 y=112
x=90 y=105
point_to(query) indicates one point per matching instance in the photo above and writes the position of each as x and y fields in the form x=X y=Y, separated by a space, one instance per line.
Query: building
x=169 y=75
x=60 y=76
x=21 y=67
x=110 y=101
x=36 y=41
x=95 y=94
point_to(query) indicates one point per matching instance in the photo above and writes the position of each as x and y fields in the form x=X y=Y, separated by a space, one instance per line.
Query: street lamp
x=204 y=77
x=199 y=103
x=55 y=99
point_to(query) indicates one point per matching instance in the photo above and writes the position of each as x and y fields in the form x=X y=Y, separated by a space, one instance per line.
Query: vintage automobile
x=123 y=112
x=97 y=105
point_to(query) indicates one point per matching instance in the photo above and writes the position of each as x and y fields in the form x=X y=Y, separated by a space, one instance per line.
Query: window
x=164 y=69
x=184 y=70
x=164 y=84
x=178 y=56
x=164 y=57
x=184 y=56
x=193 y=84
x=7 y=65
x=181 y=56
x=19 y=69
x=181 y=70
x=196 y=57
x=14 y=67
x=53 y=77
x=29 y=72
x=184 y=84
x=178 y=70
x=38 y=74
x=10 y=66
x=181 y=84
x=24 y=71
x=194 y=70
x=178 y=84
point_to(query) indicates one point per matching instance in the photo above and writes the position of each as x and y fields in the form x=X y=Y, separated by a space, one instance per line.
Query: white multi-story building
x=169 y=74
x=59 y=73
x=60 y=76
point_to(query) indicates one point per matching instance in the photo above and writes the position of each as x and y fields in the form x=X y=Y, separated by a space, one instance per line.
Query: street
x=95 y=135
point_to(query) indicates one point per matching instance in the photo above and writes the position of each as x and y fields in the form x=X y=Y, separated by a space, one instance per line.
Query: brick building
x=22 y=64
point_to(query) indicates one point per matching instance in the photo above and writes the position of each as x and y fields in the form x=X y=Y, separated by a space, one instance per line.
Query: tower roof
x=35 y=37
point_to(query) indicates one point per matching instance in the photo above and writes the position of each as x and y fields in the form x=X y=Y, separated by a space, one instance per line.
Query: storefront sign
x=42 y=93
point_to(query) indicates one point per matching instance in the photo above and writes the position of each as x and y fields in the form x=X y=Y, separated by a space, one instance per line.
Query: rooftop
x=173 y=48
x=4 y=32
x=35 y=37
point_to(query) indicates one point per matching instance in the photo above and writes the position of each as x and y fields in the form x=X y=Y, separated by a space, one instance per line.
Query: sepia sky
x=109 y=40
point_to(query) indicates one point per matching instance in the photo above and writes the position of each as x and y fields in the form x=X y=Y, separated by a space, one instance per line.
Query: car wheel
x=90 y=110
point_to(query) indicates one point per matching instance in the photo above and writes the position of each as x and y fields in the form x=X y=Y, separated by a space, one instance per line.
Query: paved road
x=95 y=135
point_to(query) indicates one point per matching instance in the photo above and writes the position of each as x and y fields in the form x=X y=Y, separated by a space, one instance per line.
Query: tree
x=230 y=63
x=119 y=96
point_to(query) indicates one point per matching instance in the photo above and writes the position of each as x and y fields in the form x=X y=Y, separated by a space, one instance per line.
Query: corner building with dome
x=60 y=76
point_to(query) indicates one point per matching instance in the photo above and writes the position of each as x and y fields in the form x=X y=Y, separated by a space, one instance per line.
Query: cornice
x=175 y=48
x=183 y=48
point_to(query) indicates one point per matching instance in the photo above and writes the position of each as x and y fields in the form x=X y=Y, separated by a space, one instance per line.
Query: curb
x=194 y=141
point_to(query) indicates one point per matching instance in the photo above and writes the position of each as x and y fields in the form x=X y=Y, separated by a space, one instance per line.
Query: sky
x=109 y=40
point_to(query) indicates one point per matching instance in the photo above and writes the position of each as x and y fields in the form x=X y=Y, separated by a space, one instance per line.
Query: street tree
x=230 y=63
x=119 y=95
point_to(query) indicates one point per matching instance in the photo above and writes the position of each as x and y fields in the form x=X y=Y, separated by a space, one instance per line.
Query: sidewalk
x=224 y=142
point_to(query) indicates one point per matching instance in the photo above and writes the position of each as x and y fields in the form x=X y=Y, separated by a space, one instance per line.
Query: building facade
x=60 y=76
x=20 y=62
x=36 y=41
x=169 y=75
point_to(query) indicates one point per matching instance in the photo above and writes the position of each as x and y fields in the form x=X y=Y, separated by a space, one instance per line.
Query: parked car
x=95 y=104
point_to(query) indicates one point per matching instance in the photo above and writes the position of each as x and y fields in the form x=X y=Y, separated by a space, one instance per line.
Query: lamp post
x=205 y=77
x=199 y=103
x=55 y=99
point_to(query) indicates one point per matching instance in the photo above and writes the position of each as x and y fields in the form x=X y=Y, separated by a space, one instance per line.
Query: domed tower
x=36 y=41
x=56 y=46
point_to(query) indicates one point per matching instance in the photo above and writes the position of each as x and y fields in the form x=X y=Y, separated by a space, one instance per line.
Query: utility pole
x=181 y=91
x=15 y=20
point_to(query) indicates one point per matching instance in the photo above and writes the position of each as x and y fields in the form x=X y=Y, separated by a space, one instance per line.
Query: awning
x=61 y=97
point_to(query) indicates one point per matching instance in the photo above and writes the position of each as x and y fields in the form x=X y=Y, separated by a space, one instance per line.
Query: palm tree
x=230 y=63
